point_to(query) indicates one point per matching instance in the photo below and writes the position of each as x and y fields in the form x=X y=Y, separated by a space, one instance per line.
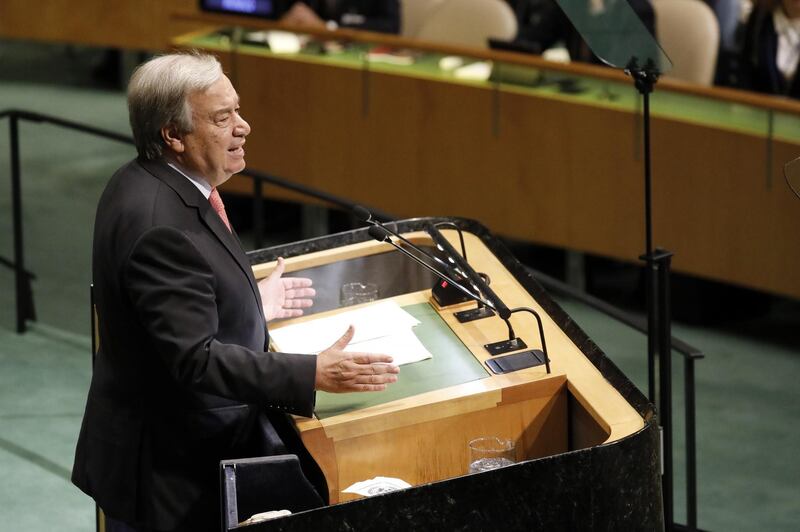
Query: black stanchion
x=664 y=353
x=691 y=442
x=25 y=308
x=16 y=212
x=659 y=345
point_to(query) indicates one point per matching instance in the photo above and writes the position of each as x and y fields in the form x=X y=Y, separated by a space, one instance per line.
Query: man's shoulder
x=140 y=180
x=138 y=169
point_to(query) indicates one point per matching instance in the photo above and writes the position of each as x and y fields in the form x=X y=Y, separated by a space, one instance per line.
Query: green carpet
x=43 y=382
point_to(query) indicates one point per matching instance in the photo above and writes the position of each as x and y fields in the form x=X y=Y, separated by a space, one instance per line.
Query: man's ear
x=173 y=139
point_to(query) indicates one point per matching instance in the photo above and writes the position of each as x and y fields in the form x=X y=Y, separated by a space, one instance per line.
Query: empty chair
x=467 y=22
x=413 y=14
x=689 y=33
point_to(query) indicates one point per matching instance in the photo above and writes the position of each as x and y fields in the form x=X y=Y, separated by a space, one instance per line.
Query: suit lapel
x=193 y=198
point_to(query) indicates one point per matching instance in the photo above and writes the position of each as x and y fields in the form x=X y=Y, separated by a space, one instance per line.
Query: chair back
x=468 y=22
x=688 y=32
x=250 y=486
x=413 y=14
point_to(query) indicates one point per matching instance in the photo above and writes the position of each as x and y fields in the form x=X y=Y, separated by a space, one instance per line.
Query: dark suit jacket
x=182 y=378
x=759 y=58
x=379 y=15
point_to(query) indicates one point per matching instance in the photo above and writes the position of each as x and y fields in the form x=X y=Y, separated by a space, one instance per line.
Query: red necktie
x=216 y=202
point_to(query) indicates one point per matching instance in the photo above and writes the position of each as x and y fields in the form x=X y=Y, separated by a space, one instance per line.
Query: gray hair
x=157 y=96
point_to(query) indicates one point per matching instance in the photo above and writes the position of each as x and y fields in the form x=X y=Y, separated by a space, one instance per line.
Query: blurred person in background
x=543 y=25
x=371 y=15
x=771 y=48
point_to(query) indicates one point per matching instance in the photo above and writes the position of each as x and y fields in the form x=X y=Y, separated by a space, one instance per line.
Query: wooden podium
x=586 y=438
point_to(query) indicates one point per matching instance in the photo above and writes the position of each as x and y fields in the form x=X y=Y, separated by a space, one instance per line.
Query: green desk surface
x=595 y=92
x=452 y=364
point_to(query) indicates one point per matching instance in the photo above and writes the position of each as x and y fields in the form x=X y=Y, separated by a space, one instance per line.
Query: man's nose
x=242 y=127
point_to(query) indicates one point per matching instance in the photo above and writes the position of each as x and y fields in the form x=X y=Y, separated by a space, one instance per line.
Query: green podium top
x=452 y=364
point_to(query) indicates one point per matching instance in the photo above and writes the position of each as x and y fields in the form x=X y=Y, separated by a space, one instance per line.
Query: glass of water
x=357 y=293
x=490 y=452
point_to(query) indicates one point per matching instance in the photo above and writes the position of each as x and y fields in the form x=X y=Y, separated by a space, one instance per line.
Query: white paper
x=265 y=516
x=376 y=486
x=381 y=327
x=479 y=71
x=403 y=346
x=283 y=42
x=390 y=58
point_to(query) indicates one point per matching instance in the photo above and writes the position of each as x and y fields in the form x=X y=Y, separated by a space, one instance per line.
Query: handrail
x=635 y=322
x=32 y=116
x=24 y=293
x=327 y=197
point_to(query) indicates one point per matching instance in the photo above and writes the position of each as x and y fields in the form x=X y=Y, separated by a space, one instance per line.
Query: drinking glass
x=490 y=452
x=357 y=293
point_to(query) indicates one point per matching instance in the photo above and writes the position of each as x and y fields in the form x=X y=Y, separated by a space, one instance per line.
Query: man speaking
x=182 y=377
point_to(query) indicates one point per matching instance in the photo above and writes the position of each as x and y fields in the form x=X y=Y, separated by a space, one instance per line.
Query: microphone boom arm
x=378 y=233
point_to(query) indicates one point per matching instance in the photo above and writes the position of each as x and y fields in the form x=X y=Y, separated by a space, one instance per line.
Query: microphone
x=381 y=234
x=365 y=216
x=443 y=294
x=453 y=226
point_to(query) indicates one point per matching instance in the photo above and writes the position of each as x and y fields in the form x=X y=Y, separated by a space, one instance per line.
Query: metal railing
x=22 y=277
x=25 y=309
x=24 y=296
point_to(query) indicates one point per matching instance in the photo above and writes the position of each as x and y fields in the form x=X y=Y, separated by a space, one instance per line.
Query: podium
x=586 y=439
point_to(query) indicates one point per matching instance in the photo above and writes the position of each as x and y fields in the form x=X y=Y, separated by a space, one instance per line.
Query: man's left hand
x=284 y=297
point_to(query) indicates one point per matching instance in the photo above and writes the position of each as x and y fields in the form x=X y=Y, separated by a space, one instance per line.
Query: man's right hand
x=339 y=371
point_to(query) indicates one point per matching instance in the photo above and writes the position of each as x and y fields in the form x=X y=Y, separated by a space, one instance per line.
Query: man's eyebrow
x=227 y=109
x=224 y=110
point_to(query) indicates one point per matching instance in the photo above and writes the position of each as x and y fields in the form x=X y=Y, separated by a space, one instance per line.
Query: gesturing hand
x=340 y=371
x=284 y=297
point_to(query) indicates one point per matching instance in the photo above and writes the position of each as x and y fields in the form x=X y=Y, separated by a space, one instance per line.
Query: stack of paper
x=377 y=486
x=392 y=56
x=381 y=327
x=283 y=42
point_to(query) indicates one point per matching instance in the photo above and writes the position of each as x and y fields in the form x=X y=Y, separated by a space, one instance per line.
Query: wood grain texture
x=535 y=168
x=545 y=170
x=137 y=25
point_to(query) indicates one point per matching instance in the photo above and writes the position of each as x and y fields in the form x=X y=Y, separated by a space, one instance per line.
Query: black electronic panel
x=270 y=9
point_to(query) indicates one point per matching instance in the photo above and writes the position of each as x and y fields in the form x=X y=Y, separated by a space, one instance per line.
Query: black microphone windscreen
x=362 y=214
x=378 y=233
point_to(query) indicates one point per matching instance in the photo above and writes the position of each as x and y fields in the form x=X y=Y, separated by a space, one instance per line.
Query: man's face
x=214 y=149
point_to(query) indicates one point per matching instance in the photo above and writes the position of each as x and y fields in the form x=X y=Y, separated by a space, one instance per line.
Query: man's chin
x=236 y=168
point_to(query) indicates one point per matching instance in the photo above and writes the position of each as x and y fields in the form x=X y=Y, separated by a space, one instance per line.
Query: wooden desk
x=423 y=438
x=535 y=163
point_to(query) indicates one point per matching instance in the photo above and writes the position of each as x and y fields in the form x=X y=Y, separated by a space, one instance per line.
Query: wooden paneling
x=541 y=169
x=138 y=25
x=547 y=170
